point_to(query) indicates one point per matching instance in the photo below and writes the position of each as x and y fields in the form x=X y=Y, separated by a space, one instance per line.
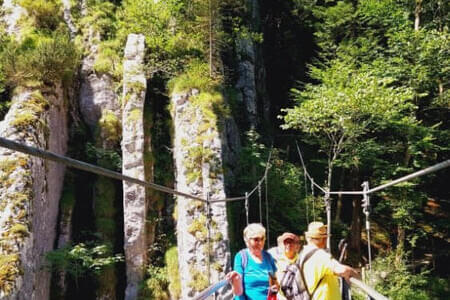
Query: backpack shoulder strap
x=244 y=258
x=244 y=262
x=302 y=262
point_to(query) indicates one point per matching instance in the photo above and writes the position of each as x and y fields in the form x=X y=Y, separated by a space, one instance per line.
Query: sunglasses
x=289 y=241
x=257 y=239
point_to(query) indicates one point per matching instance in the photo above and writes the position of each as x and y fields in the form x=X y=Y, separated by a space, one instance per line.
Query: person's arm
x=343 y=270
x=235 y=280
x=236 y=276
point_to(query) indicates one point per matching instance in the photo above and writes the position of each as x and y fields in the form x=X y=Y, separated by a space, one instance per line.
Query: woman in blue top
x=258 y=265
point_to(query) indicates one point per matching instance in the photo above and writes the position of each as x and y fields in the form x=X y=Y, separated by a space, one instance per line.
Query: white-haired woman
x=255 y=266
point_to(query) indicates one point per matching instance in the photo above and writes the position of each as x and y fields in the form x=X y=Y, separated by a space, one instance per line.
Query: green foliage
x=110 y=127
x=32 y=109
x=171 y=258
x=195 y=77
x=155 y=287
x=391 y=277
x=378 y=102
x=46 y=14
x=100 y=18
x=104 y=209
x=39 y=59
x=348 y=104
x=104 y=157
x=199 y=280
x=81 y=260
x=109 y=58
x=170 y=40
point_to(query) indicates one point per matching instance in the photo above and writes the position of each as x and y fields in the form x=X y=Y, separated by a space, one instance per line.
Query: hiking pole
x=211 y=290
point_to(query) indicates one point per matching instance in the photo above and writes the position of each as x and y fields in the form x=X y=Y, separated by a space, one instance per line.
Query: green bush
x=39 y=59
x=196 y=76
x=173 y=275
x=82 y=259
x=46 y=14
x=391 y=277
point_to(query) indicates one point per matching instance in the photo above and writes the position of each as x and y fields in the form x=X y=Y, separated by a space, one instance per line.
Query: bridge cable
x=366 y=211
x=260 y=202
x=314 y=200
x=246 y=206
x=267 y=214
x=208 y=237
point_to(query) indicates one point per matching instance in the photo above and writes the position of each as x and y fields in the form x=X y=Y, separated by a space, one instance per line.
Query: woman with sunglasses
x=255 y=266
x=289 y=245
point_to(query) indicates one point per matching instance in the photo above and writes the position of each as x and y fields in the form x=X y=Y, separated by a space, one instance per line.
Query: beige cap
x=287 y=235
x=316 y=230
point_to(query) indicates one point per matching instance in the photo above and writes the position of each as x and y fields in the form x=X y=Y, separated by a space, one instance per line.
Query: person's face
x=256 y=244
x=291 y=247
x=321 y=242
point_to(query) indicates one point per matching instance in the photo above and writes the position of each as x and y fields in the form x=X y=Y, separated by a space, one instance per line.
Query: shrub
x=46 y=14
x=39 y=59
x=391 y=277
x=82 y=259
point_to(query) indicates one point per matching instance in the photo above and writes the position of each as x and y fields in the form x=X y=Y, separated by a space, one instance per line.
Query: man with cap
x=321 y=270
x=289 y=244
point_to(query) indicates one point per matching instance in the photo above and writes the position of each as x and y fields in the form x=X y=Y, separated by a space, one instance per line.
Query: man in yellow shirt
x=321 y=270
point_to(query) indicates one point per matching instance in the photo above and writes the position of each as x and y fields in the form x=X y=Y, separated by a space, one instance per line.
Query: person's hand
x=349 y=272
x=233 y=276
x=344 y=271
x=235 y=279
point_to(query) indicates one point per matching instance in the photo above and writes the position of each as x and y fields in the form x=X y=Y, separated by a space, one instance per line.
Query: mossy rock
x=199 y=280
x=196 y=77
x=9 y=271
x=110 y=126
x=198 y=228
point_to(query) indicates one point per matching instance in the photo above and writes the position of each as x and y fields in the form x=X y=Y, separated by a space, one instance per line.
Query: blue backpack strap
x=244 y=262
x=244 y=258
x=270 y=259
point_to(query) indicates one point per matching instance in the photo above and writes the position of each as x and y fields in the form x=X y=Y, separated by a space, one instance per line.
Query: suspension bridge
x=365 y=192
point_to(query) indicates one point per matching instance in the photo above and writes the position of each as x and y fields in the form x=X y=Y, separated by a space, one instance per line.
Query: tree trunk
x=417 y=12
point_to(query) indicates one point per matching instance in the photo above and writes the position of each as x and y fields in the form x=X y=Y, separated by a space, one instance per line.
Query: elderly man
x=321 y=271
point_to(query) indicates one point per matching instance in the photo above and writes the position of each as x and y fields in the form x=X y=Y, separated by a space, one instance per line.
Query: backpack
x=293 y=282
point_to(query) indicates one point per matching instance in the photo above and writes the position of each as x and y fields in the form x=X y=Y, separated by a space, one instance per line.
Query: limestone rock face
x=134 y=200
x=202 y=230
x=31 y=191
x=97 y=89
x=96 y=94
x=12 y=13
x=251 y=73
x=68 y=17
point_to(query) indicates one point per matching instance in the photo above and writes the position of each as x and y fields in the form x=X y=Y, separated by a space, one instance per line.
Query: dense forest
x=290 y=99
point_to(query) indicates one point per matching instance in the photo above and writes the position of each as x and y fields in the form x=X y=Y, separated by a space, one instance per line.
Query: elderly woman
x=289 y=243
x=255 y=266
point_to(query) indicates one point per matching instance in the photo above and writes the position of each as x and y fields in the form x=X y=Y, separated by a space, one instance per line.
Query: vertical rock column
x=134 y=201
x=29 y=193
x=30 y=188
x=251 y=72
x=202 y=235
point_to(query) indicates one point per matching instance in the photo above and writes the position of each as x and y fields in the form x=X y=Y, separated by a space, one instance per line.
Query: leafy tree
x=347 y=104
